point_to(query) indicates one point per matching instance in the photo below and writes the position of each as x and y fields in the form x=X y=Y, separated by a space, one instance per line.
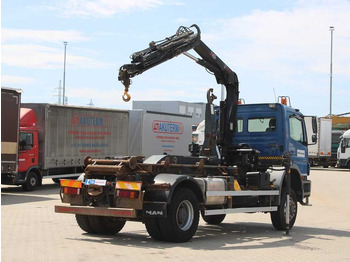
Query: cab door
x=28 y=151
x=298 y=143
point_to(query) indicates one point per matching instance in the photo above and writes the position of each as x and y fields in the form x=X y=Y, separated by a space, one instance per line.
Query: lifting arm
x=184 y=40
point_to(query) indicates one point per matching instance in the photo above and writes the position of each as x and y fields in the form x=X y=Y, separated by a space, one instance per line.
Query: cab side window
x=296 y=129
x=266 y=124
x=346 y=142
x=25 y=141
x=239 y=125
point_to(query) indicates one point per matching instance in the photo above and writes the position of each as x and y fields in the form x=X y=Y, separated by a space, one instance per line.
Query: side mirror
x=342 y=145
x=314 y=138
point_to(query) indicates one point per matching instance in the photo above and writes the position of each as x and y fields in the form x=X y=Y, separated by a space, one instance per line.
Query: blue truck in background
x=254 y=158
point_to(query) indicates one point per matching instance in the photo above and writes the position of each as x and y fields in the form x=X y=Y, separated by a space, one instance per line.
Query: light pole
x=64 y=73
x=331 y=28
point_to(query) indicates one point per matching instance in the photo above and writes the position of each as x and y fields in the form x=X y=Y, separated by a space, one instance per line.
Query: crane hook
x=126 y=97
x=125 y=79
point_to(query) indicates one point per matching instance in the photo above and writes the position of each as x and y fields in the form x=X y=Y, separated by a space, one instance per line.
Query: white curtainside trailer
x=156 y=133
x=321 y=152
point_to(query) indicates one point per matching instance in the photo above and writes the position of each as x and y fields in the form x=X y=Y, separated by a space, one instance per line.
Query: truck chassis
x=168 y=195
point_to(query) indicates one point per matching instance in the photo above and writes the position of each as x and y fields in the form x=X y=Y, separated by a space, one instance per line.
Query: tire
x=106 y=225
x=153 y=229
x=84 y=224
x=278 y=217
x=32 y=182
x=183 y=217
x=213 y=220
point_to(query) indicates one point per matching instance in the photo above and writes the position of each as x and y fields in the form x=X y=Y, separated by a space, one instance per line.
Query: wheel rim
x=292 y=208
x=32 y=181
x=184 y=215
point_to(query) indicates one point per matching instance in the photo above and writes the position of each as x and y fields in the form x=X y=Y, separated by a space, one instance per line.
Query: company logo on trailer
x=167 y=127
x=93 y=121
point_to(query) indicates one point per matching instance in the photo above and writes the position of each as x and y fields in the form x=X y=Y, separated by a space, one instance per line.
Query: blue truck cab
x=274 y=129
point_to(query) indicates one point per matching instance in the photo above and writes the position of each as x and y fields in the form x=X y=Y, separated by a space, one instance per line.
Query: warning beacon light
x=284 y=100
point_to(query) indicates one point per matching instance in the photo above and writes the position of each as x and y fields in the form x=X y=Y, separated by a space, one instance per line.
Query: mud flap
x=154 y=209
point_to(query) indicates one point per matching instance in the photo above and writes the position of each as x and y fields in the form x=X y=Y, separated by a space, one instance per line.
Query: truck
x=198 y=134
x=256 y=161
x=10 y=114
x=320 y=152
x=55 y=139
x=343 y=154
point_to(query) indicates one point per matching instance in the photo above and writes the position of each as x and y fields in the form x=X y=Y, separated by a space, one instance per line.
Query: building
x=196 y=110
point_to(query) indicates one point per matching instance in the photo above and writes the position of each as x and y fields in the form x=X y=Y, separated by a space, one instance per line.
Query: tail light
x=71 y=187
x=128 y=189
x=71 y=190
x=128 y=194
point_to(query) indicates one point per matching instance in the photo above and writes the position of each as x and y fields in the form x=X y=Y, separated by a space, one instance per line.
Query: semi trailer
x=10 y=114
x=320 y=153
x=55 y=139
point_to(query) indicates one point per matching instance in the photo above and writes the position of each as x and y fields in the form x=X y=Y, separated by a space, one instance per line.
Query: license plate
x=97 y=182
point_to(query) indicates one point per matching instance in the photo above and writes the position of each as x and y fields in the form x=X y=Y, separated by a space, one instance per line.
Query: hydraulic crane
x=184 y=40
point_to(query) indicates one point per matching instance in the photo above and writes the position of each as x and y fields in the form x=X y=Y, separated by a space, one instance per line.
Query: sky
x=276 y=47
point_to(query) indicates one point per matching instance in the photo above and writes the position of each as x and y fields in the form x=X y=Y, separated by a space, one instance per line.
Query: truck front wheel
x=183 y=217
x=106 y=225
x=32 y=182
x=214 y=219
x=278 y=217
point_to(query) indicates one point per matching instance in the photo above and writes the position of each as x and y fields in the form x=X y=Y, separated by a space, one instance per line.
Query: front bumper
x=12 y=179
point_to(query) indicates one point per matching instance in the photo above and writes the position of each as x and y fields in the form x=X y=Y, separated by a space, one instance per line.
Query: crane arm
x=184 y=40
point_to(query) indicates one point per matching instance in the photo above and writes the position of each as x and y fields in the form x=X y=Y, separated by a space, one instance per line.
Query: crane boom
x=184 y=40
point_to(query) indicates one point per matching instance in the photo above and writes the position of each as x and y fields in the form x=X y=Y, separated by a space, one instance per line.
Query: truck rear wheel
x=106 y=225
x=32 y=182
x=213 y=220
x=183 y=217
x=278 y=217
x=153 y=229
x=84 y=224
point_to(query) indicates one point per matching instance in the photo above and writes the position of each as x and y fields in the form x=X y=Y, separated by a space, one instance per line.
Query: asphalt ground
x=31 y=231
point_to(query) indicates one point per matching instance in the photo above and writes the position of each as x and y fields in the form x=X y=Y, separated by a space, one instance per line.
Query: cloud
x=7 y=80
x=102 y=8
x=49 y=36
x=289 y=41
x=38 y=49
x=182 y=20
x=44 y=57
